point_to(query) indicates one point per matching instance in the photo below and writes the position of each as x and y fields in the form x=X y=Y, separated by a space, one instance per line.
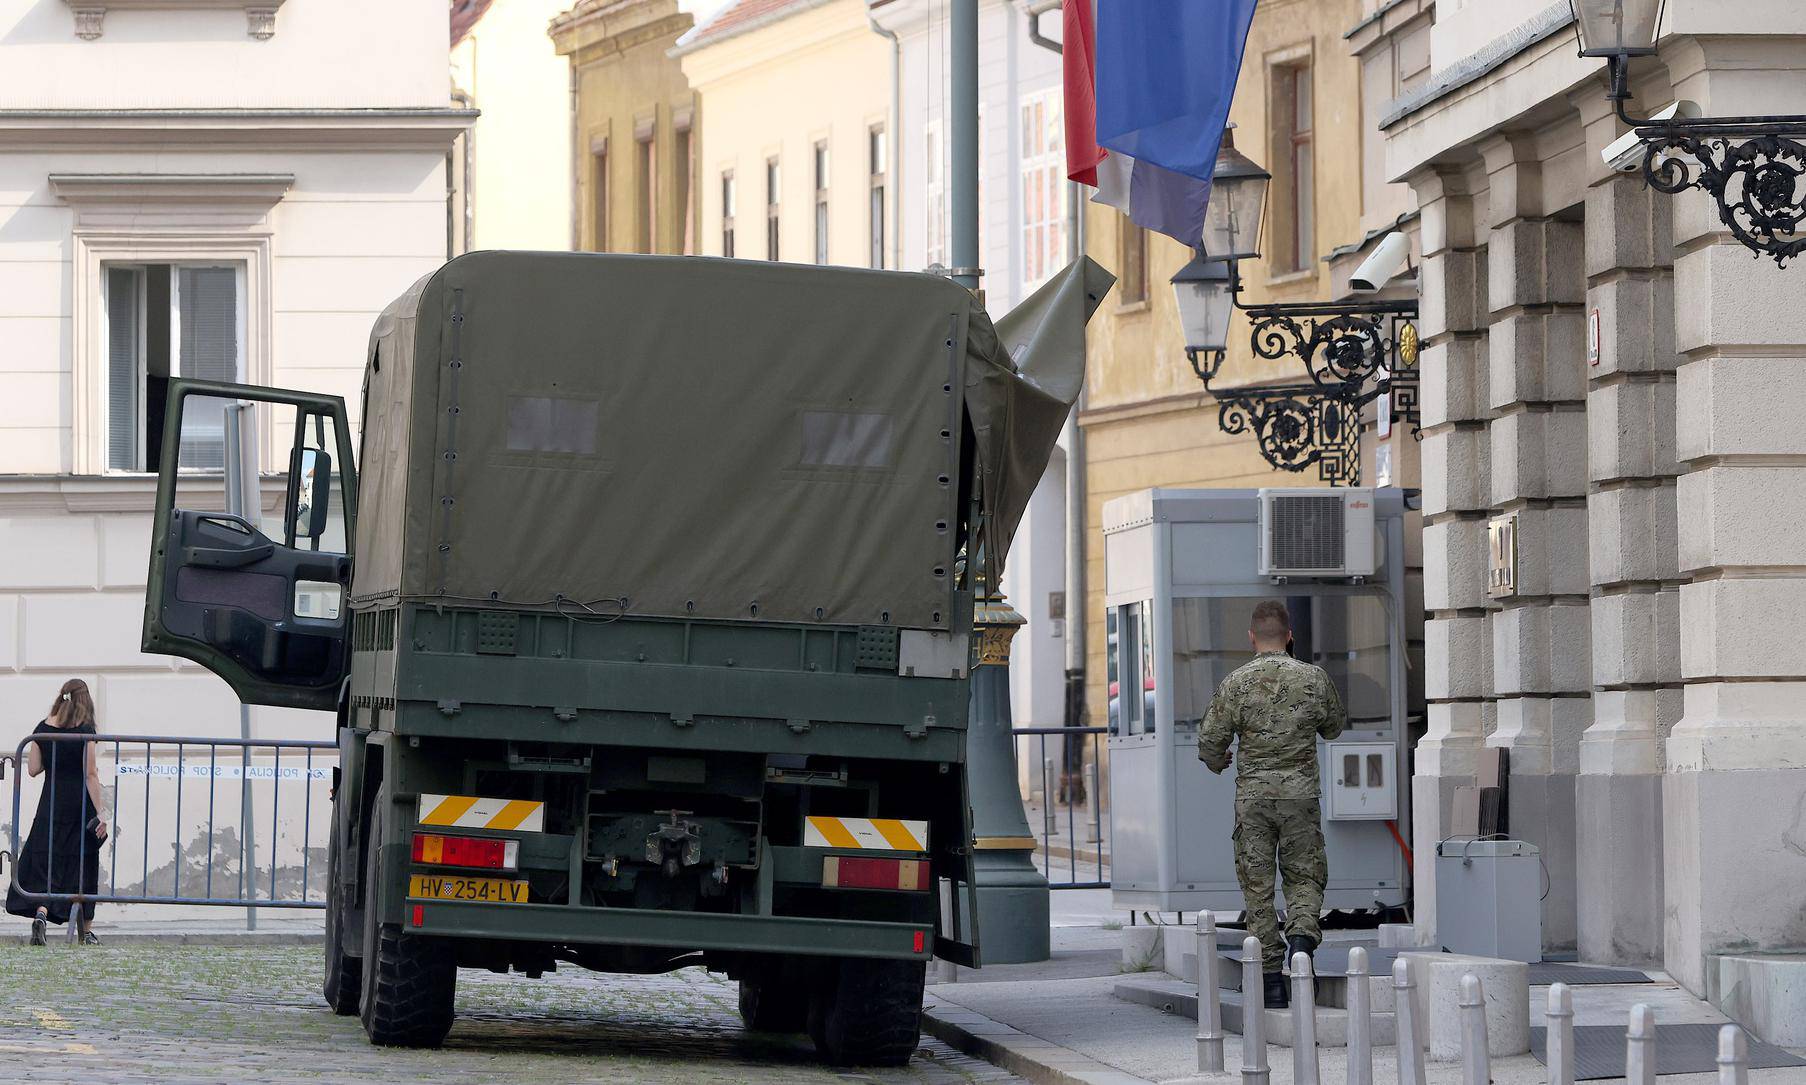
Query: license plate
x=486 y=890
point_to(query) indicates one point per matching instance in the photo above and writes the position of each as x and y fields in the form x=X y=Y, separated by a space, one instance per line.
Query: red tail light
x=468 y=851
x=851 y=872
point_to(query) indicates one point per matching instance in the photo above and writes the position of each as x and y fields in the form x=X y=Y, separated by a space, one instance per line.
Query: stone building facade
x=287 y=174
x=632 y=135
x=1606 y=381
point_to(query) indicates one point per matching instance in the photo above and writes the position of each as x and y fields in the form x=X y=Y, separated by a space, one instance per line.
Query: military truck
x=646 y=616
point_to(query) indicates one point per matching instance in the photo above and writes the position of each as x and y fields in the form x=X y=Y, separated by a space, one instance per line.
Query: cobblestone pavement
x=110 y=1015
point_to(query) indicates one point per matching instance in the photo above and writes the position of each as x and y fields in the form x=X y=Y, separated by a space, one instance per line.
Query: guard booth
x=1183 y=570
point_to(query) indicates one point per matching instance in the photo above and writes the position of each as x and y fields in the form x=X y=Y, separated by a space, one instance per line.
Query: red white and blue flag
x=1148 y=87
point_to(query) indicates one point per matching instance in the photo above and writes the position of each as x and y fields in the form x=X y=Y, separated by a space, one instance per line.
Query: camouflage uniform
x=1276 y=706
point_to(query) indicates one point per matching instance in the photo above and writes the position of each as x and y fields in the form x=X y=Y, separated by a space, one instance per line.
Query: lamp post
x=1353 y=353
x=1752 y=167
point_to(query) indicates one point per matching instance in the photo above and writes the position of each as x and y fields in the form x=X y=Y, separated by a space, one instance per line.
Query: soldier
x=1276 y=706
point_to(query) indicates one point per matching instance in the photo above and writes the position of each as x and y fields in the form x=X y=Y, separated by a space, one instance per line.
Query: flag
x=1166 y=73
x=1080 y=78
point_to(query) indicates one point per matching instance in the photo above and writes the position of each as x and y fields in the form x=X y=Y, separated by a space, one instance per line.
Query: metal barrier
x=1072 y=783
x=218 y=863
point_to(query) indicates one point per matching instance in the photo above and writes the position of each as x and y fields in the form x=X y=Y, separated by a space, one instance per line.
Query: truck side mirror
x=310 y=488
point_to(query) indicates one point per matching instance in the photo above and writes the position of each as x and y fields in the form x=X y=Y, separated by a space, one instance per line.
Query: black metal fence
x=205 y=817
x=1068 y=820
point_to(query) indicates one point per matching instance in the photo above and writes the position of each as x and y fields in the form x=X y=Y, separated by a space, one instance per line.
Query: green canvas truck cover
x=701 y=437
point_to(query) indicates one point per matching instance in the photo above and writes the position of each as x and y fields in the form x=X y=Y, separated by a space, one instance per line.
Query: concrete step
x=1175 y=996
x=1763 y=992
x=1332 y=990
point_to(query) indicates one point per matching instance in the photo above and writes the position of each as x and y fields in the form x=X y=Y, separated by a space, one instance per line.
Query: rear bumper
x=676 y=930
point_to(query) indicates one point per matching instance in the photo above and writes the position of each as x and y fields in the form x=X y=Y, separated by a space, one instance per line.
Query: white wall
x=521 y=161
x=324 y=54
x=363 y=218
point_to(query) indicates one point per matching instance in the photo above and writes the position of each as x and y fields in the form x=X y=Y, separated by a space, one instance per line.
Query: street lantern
x=1238 y=195
x=1617 y=27
x=1202 y=290
x=1754 y=168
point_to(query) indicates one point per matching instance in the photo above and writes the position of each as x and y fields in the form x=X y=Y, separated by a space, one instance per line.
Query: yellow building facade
x=633 y=127
x=794 y=103
x=1147 y=419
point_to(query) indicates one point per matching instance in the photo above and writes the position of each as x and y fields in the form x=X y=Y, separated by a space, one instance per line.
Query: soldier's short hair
x=1271 y=622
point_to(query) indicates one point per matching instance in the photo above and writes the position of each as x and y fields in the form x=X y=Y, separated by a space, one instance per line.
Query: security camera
x=1625 y=154
x=1388 y=259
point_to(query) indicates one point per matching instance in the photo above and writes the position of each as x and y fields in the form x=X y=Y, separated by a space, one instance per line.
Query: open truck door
x=250 y=563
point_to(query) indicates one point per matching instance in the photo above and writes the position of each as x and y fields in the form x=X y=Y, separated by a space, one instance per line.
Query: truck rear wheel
x=410 y=982
x=868 y=1013
x=774 y=1001
x=344 y=973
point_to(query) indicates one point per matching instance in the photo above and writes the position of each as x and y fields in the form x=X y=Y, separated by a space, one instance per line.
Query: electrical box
x=1489 y=897
x=1317 y=532
x=1363 y=784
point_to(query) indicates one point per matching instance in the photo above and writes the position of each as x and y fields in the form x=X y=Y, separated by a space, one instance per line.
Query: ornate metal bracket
x=1298 y=427
x=1752 y=167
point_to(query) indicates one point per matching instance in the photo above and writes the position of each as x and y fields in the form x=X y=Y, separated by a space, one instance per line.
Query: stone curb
x=1040 y=1061
x=173 y=938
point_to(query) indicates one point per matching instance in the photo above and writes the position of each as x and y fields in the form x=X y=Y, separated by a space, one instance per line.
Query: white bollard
x=1410 y=1037
x=1360 y=1020
x=1560 y=1044
x=1304 y=1021
x=1639 y=1046
x=1254 y=1016
x=1476 y=1060
x=1733 y=1057
x=1210 y=1010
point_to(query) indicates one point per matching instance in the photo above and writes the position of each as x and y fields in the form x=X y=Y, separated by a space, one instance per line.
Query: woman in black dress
x=62 y=854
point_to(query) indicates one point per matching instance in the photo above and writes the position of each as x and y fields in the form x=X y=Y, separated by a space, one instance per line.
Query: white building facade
x=1610 y=381
x=228 y=191
x=1024 y=233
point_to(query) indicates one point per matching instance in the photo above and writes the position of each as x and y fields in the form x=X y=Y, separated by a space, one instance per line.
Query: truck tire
x=410 y=982
x=344 y=973
x=869 y=1012
x=772 y=1002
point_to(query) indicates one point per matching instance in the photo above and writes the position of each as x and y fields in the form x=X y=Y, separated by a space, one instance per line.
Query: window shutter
x=122 y=369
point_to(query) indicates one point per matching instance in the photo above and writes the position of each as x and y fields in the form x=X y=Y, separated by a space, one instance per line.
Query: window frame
x=730 y=198
x=645 y=158
x=1043 y=169
x=1132 y=258
x=599 y=193
x=141 y=366
x=823 y=166
x=774 y=191
x=877 y=141
x=1292 y=151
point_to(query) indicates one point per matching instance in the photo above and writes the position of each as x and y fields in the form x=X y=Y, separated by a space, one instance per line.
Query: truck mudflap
x=567 y=925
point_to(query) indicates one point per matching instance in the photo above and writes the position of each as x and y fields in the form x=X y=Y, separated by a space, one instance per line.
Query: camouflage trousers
x=1290 y=829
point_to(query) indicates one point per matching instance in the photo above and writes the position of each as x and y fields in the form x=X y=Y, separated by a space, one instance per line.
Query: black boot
x=1302 y=943
x=1277 y=996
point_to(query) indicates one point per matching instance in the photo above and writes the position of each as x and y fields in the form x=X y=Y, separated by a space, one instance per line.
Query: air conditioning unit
x=1317 y=532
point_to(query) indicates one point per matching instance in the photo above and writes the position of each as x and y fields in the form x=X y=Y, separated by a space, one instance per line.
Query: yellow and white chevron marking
x=466 y=812
x=884 y=834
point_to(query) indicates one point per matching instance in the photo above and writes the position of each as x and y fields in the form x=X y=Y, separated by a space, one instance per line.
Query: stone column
x=1734 y=798
x=1457 y=662
x=1536 y=345
x=1636 y=598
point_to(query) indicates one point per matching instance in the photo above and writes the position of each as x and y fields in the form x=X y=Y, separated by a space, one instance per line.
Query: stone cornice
x=600 y=48
x=90 y=15
x=273 y=129
x=25 y=495
x=588 y=25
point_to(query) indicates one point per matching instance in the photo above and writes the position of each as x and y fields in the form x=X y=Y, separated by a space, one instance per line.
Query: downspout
x=894 y=139
x=1075 y=462
x=470 y=207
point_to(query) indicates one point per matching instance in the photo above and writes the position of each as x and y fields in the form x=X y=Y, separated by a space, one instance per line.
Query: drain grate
x=1679 y=1049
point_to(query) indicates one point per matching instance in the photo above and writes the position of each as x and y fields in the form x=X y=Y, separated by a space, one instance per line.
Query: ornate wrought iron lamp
x=1352 y=352
x=1752 y=167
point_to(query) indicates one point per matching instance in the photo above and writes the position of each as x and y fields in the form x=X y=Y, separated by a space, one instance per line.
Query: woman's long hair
x=74 y=705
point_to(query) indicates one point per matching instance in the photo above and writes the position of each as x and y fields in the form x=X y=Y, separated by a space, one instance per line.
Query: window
x=821 y=202
x=771 y=208
x=1133 y=259
x=682 y=165
x=727 y=213
x=936 y=212
x=163 y=321
x=599 y=197
x=646 y=162
x=1043 y=188
x=1294 y=221
x=877 y=154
